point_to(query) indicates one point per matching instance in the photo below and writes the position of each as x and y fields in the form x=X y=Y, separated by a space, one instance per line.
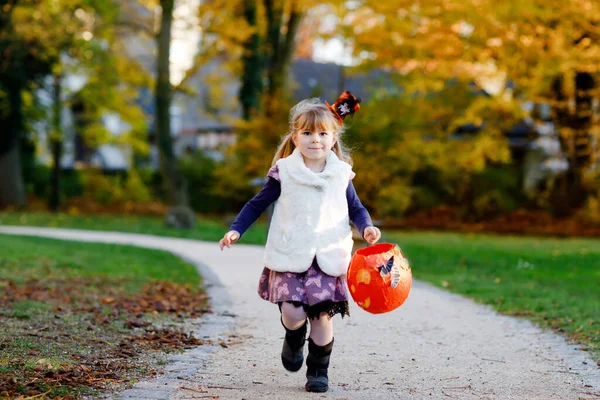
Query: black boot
x=317 y=363
x=292 y=353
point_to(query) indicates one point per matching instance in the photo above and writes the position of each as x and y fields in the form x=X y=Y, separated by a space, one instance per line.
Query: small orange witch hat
x=345 y=105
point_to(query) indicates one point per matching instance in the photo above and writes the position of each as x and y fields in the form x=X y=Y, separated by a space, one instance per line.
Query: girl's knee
x=292 y=313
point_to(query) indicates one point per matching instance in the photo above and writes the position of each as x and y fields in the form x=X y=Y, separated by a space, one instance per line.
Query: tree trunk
x=179 y=215
x=56 y=144
x=582 y=121
x=569 y=194
x=280 y=49
x=21 y=62
x=56 y=150
x=12 y=188
x=284 y=51
x=274 y=14
x=168 y=166
x=253 y=67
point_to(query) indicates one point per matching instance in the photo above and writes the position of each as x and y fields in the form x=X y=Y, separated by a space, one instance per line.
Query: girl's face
x=314 y=145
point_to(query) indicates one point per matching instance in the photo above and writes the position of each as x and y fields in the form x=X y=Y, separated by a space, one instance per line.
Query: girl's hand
x=230 y=238
x=372 y=234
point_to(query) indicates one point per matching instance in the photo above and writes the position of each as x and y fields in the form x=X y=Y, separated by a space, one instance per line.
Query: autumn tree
x=252 y=61
x=23 y=62
x=77 y=38
x=206 y=20
x=148 y=24
x=543 y=51
x=546 y=48
x=265 y=90
x=269 y=50
x=163 y=94
x=69 y=31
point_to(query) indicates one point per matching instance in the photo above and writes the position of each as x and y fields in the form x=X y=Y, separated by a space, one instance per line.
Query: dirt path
x=436 y=346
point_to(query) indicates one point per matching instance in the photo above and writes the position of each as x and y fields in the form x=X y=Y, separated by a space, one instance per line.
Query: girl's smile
x=314 y=145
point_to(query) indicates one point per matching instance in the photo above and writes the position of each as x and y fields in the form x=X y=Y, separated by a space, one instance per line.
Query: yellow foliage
x=528 y=42
x=101 y=188
x=590 y=213
x=394 y=198
x=134 y=188
x=398 y=141
x=591 y=182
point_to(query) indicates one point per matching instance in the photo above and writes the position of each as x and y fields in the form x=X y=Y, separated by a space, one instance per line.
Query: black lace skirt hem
x=331 y=308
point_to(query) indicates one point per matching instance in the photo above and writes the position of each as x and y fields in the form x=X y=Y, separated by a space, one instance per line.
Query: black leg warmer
x=317 y=362
x=292 y=353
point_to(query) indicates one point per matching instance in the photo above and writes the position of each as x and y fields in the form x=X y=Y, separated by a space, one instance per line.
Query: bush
x=71 y=183
x=199 y=171
x=591 y=182
x=424 y=197
x=134 y=189
x=590 y=212
x=493 y=192
x=115 y=189
x=394 y=199
x=39 y=180
x=493 y=204
x=102 y=188
x=153 y=181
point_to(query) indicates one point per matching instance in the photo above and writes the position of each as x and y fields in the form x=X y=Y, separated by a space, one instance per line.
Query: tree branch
x=293 y=25
x=284 y=50
x=274 y=18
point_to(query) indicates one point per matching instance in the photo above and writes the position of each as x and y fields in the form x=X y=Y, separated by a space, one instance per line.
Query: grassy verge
x=76 y=318
x=206 y=229
x=554 y=282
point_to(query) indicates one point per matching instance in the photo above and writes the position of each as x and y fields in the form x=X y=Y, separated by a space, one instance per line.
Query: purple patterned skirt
x=314 y=290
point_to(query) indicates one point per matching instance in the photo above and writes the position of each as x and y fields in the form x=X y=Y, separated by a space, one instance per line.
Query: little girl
x=309 y=242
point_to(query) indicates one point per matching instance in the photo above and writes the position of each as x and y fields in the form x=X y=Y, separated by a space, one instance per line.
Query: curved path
x=436 y=346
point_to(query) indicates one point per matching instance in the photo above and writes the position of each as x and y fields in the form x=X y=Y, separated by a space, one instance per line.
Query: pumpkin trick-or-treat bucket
x=379 y=278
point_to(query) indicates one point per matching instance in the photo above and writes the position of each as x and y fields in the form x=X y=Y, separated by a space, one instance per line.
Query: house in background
x=206 y=120
x=328 y=80
x=107 y=157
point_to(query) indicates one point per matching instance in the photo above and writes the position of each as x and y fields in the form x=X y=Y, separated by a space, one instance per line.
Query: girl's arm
x=358 y=213
x=256 y=206
x=360 y=216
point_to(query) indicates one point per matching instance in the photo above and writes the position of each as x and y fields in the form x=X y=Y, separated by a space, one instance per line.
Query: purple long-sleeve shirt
x=270 y=192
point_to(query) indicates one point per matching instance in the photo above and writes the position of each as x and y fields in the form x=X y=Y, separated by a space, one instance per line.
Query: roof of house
x=327 y=80
x=308 y=79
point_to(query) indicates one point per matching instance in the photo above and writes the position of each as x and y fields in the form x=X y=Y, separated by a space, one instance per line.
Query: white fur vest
x=310 y=218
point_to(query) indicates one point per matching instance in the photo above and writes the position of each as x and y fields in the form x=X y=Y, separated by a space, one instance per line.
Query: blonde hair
x=311 y=115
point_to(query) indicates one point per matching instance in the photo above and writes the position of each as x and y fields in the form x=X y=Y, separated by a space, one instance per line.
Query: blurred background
x=475 y=114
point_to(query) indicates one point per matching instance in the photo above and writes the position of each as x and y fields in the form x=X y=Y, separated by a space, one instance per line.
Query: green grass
x=554 y=282
x=22 y=309
x=206 y=229
x=32 y=258
x=52 y=310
